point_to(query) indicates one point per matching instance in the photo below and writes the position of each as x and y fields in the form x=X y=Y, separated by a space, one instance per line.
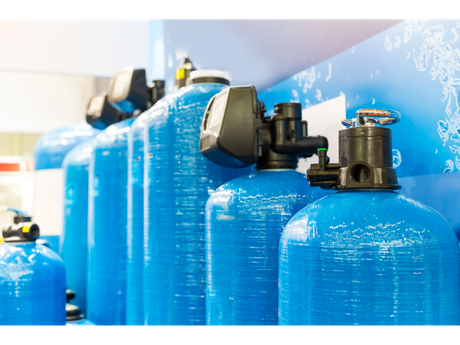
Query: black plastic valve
x=365 y=155
x=235 y=132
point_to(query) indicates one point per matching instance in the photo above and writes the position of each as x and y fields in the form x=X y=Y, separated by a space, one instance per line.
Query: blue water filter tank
x=107 y=226
x=135 y=261
x=49 y=153
x=245 y=219
x=135 y=264
x=32 y=279
x=75 y=237
x=246 y=216
x=178 y=181
x=367 y=255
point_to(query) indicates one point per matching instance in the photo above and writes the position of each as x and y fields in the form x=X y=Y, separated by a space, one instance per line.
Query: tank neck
x=271 y=160
x=370 y=190
x=275 y=170
x=208 y=80
x=124 y=116
x=15 y=242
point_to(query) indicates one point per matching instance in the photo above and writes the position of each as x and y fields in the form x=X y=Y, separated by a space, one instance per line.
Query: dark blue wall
x=412 y=67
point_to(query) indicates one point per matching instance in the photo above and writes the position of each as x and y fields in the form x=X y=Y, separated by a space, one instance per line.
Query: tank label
x=49 y=201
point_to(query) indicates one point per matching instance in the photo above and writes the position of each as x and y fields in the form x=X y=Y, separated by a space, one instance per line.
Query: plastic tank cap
x=206 y=73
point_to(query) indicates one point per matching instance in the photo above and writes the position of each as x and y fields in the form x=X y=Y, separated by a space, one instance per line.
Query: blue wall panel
x=258 y=52
x=412 y=67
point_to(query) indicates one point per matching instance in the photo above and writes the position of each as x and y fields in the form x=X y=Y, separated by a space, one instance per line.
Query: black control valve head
x=22 y=232
x=231 y=127
x=235 y=132
x=365 y=155
x=128 y=90
x=100 y=114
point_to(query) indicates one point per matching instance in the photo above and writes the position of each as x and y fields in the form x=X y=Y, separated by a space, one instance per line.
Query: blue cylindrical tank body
x=49 y=153
x=244 y=221
x=75 y=237
x=178 y=182
x=135 y=264
x=32 y=285
x=107 y=226
x=368 y=258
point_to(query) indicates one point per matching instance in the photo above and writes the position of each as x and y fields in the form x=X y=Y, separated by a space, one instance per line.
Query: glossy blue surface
x=368 y=258
x=135 y=264
x=107 y=226
x=75 y=235
x=244 y=221
x=53 y=242
x=82 y=322
x=178 y=182
x=32 y=285
x=52 y=147
x=439 y=191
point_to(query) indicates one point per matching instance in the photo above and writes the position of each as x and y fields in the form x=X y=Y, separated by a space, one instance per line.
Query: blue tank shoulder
x=32 y=285
x=52 y=147
x=389 y=259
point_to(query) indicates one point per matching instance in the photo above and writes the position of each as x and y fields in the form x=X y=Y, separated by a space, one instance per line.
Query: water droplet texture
x=32 y=285
x=75 y=236
x=368 y=258
x=178 y=182
x=135 y=264
x=244 y=221
x=107 y=226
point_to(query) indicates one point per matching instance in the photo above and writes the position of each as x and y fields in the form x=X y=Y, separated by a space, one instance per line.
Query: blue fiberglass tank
x=107 y=221
x=108 y=206
x=100 y=114
x=178 y=182
x=246 y=216
x=367 y=255
x=49 y=153
x=135 y=260
x=75 y=236
x=32 y=279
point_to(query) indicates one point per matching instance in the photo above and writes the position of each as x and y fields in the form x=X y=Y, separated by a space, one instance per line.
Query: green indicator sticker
x=322 y=149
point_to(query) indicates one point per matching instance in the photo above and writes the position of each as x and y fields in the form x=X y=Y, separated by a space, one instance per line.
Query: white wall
x=37 y=103
x=92 y=48
x=325 y=119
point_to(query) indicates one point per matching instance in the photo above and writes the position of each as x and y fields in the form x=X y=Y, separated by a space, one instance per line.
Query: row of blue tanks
x=186 y=209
